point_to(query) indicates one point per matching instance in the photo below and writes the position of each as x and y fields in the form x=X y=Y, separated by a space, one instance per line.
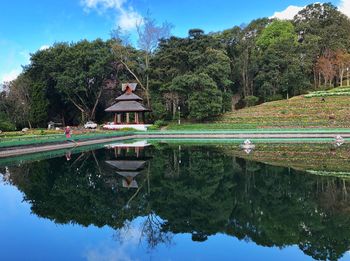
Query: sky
x=29 y=25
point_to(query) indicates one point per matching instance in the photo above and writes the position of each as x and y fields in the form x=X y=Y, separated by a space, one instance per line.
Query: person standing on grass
x=67 y=132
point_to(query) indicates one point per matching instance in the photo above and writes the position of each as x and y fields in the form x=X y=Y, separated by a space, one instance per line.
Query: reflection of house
x=130 y=161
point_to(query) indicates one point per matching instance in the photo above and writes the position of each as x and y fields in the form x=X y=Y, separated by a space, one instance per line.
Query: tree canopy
x=204 y=74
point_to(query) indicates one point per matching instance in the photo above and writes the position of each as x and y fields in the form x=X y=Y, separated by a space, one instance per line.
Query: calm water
x=168 y=202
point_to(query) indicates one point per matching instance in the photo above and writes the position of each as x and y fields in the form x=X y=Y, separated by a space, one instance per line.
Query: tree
x=73 y=76
x=326 y=66
x=241 y=46
x=324 y=28
x=280 y=70
x=87 y=67
x=204 y=98
x=19 y=100
x=342 y=62
x=38 y=106
x=149 y=34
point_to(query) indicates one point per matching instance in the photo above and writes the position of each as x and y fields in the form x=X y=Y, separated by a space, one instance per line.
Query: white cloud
x=344 y=7
x=127 y=18
x=292 y=10
x=44 y=47
x=9 y=76
x=288 y=13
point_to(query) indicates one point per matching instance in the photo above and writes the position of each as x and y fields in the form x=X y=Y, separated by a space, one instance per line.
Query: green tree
x=280 y=70
x=38 y=106
x=204 y=98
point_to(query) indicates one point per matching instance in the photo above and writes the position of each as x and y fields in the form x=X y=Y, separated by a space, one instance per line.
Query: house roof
x=128 y=174
x=127 y=164
x=128 y=97
x=131 y=85
x=129 y=183
x=127 y=106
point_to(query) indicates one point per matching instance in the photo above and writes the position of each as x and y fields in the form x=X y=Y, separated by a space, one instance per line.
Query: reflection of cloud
x=129 y=239
x=131 y=235
x=127 y=18
x=105 y=253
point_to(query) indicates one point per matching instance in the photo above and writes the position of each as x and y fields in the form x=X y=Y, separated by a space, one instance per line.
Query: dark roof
x=127 y=164
x=127 y=106
x=128 y=97
x=131 y=85
x=128 y=174
x=129 y=183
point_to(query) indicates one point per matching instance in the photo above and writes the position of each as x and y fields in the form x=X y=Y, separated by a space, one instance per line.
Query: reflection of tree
x=199 y=191
x=75 y=191
x=153 y=232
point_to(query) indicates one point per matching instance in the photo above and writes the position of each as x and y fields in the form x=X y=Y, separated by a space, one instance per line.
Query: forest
x=199 y=76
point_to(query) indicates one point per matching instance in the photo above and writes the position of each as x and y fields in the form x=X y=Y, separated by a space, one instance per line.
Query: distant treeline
x=202 y=75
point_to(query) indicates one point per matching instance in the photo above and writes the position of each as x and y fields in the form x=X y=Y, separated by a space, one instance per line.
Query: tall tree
x=149 y=34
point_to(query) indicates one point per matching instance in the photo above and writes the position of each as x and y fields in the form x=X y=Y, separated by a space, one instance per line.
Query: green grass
x=321 y=158
x=46 y=139
x=295 y=113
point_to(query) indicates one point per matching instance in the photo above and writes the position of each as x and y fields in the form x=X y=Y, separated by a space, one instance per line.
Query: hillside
x=308 y=111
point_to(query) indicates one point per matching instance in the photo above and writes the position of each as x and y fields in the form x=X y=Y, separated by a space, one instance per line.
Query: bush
x=7 y=126
x=251 y=101
x=127 y=129
x=275 y=97
x=240 y=104
x=226 y=101
x=157 y=125
x=160 y=123
x=153 y=127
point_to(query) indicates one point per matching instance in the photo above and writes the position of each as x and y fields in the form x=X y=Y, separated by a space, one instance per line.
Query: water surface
x=172 y=202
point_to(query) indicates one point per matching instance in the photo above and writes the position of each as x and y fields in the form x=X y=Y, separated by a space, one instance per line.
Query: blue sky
x=28 y=25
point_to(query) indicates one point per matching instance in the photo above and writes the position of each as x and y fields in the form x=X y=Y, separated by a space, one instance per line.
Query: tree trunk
x=147 y=79
x=93 y=112
x=315 y=80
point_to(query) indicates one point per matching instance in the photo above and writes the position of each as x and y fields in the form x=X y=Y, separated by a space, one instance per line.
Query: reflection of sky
x=24 y=235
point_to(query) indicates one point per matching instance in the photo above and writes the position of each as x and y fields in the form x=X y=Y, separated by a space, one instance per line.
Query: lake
x=151 y=200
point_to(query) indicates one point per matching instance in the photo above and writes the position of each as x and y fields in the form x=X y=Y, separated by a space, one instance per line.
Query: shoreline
x=283 y=136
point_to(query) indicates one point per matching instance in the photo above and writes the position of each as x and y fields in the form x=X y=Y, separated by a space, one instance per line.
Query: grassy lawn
x=297 y=112
x=31 y=137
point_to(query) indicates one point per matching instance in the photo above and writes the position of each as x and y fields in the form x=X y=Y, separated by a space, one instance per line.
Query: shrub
x=275 y=97
x=284 y=112
x=7 y=126
x=160 y=123
x=153 y=127
x=251 y=100
x=157 y=125
x=127 y=129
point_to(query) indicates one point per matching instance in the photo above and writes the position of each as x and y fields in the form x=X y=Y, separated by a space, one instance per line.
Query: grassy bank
x=319 y=157
x=319 y=110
